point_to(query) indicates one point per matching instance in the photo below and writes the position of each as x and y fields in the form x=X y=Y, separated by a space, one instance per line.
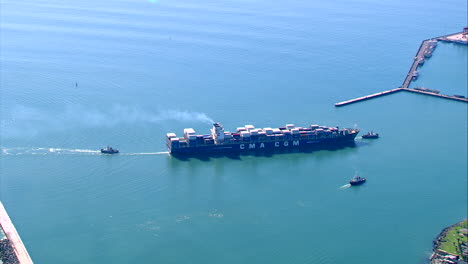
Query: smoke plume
x=21 y=120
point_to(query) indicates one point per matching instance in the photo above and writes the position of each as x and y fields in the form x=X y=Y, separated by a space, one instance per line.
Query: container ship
x=250 y=139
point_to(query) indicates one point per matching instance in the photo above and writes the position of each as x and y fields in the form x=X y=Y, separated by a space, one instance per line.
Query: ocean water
x=78 y=75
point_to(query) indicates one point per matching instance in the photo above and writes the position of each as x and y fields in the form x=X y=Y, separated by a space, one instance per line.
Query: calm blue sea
x=78 y=75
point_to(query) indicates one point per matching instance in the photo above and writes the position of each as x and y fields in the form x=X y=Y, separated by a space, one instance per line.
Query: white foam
x=65 y=151
x=84 y=150
x=345 y=186
x=146 y=153
x=215 y=214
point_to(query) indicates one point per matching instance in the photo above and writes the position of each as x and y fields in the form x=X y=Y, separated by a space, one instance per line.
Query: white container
x=277 y=131
x=268 y=130
x=189 y=131
x=245 y=134
x=249 y=127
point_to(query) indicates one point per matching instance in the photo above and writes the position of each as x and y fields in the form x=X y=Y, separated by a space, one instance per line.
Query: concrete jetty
x=451 y=97
x=359 y=99
x=425 y=51
x=368 y=97
x=11 y=233
x=460 y=37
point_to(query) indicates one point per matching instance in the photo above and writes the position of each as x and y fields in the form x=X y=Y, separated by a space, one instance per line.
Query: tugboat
x=109 y=150
x=371 y=135
x=357 y=180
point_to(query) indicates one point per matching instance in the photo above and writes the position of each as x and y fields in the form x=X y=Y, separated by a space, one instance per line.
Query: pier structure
x=460 y=37
x=451 y=97
x=12 y=235
x=425 y=51
x=359 y=99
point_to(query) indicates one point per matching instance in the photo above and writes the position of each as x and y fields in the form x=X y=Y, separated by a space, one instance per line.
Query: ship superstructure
x=251 y=139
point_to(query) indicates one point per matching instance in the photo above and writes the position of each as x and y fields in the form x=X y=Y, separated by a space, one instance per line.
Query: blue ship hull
x=293 y=145
x=359 y=182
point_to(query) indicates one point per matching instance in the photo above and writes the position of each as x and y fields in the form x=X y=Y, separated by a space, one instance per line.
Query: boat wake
x=68 y=151
x=145 y=153
x=46 y=151
x=65 y=151
x=345 y=186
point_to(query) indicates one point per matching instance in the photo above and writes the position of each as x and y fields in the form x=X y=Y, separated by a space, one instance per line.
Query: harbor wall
x=13 y=237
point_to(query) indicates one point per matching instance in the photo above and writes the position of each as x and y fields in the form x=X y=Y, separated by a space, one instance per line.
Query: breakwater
x=13 y=239
x=450 y=97
x=7 y=252
x=367 y=97
x=424 y=52
x=363 y=98
x=460 y=37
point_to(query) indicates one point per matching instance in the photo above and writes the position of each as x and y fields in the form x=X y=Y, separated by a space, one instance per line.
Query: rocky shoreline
x=440 y=256
x=7 y=253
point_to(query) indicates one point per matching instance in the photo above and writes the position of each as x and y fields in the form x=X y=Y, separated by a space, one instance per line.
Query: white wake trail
x=345 y=186
x=146 y=153
x=67 y=151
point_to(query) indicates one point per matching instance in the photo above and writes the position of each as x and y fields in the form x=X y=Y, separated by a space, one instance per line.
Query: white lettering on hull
x=277 y=144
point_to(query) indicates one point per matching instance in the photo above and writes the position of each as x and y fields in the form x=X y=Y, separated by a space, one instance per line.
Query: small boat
x=428 y=53
x=371 y=135
x=357 y=180
x=109 y=150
